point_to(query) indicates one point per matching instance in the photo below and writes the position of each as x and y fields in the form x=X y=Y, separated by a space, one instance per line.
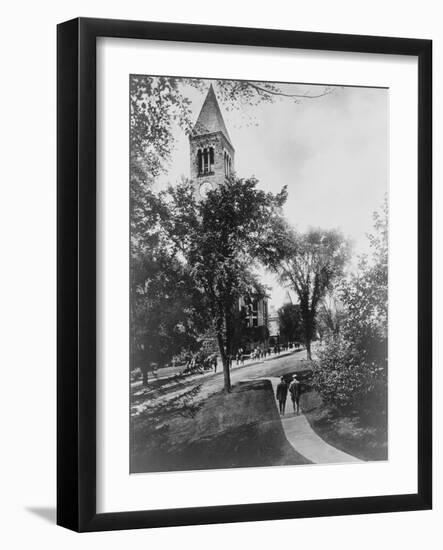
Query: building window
x=205 y=161
x=227 y=164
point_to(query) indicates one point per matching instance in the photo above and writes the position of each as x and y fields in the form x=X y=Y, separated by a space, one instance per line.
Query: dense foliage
x=219 y=240
x=351 y=370
x=290 y=323
x=310 y=263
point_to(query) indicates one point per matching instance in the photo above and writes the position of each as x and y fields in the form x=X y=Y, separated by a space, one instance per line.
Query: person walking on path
x=295 y=392
x=214 y=362
x=281 y=394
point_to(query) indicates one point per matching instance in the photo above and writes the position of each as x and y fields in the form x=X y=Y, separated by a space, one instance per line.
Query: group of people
x=256 y=353
x=294 y=390
x=200 y=362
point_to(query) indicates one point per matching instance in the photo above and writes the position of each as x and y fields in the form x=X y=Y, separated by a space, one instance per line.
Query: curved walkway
x=305 y=441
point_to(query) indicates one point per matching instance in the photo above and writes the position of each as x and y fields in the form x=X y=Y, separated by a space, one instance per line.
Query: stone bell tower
x=211 y=150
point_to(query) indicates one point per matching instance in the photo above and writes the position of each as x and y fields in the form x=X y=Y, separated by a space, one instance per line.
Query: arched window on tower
x=199 y=162
x=205 y=161
x=211 y=159
x=228 y=164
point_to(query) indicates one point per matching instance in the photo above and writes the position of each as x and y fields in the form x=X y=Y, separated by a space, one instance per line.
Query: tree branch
x=327 y=91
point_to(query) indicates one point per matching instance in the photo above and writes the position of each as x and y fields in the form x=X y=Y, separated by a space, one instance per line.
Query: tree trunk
x=308 y=319
x=308 y=349
x=228 y=325
x=225 y=361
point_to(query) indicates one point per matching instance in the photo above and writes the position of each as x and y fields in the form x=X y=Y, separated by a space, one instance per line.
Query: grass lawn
x=239 y=429
x=363 y=437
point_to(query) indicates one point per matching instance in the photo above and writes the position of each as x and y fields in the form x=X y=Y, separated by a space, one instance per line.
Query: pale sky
x=331 y=152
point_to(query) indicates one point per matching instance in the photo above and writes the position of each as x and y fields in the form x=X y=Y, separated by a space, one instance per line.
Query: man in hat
x=295 y=392
x=281 y=394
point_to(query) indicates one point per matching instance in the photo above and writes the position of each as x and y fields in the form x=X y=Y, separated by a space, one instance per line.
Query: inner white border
x=116 y=489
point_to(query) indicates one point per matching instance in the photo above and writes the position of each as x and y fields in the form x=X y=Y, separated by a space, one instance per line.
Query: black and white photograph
x=221 y=268
x=258 y=274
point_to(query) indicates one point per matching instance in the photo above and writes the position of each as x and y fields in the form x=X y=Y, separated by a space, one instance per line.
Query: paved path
x=297 y=429
x=170 y=372
x=209 y=382
x=305 y=441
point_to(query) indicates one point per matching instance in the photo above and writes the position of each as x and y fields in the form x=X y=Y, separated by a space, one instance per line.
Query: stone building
x=212 y=158
x=255 y=311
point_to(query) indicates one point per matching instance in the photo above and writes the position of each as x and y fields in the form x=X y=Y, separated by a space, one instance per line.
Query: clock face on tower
x=204 y=189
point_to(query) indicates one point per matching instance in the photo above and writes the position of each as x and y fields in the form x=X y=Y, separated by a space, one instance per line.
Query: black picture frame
x=76 y=265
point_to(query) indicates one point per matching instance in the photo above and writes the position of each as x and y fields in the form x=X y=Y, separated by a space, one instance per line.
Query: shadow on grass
x=363 y=436
x=250 y=385
x=230 y=430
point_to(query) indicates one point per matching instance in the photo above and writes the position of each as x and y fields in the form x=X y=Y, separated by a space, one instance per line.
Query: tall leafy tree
x=164 y=317
x=310 y=263
x=220 y=240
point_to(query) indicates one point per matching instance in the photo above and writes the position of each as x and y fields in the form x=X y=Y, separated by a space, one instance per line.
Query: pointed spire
x=210 y=119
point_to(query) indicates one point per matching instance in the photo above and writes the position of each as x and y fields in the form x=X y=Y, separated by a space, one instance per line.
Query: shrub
x=351 y=370
x=350 y=377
